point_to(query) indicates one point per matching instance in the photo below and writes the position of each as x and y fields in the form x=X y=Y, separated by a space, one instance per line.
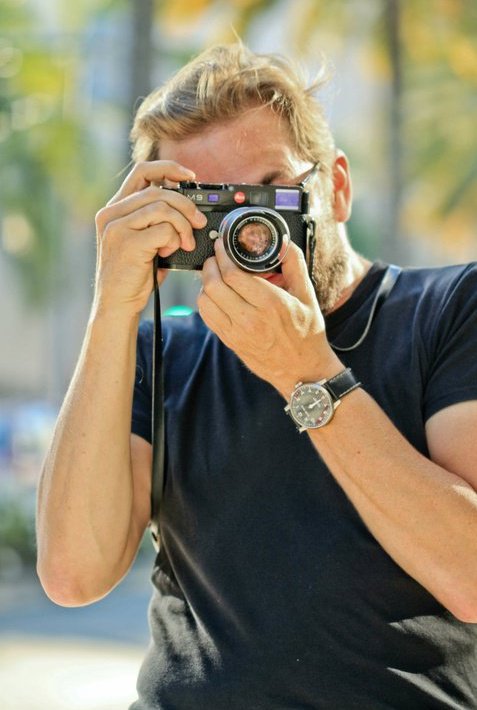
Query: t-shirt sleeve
x=453 y=374
x=141 y=421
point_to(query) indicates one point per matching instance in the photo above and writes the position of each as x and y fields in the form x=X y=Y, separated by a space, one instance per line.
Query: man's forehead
x=224 y=163
x=255 y=146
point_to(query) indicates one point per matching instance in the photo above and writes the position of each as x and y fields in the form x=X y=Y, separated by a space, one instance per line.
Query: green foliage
x=46 y=149
x=441 y=99
x=17 y=527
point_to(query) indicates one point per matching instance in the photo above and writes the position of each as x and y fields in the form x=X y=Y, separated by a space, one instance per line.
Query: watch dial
x=312 y=406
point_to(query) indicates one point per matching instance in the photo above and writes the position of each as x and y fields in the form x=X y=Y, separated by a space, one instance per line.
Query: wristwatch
x=313 y=404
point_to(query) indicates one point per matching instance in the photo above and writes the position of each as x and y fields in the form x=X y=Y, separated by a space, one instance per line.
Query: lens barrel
x=255 y=238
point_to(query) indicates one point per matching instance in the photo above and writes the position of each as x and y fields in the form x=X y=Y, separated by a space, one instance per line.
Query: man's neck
x=358 y=267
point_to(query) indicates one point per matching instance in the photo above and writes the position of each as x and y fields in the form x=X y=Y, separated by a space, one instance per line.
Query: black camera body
x=256 y=222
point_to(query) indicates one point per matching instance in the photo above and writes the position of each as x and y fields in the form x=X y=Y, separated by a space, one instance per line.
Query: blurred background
x=402 y=103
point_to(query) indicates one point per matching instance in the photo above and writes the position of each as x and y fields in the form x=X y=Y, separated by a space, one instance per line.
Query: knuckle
x=139 y=168
x=164 y=230
x=155 y=191
x=231 y=275
x=160 y=209
x=166 y=243
x=101 y=218
x=173 y=239
x=163 y=208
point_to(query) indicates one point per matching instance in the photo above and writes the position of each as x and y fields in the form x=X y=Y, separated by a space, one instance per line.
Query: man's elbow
x=68 y=591
x=467 y=614
x=463 y=607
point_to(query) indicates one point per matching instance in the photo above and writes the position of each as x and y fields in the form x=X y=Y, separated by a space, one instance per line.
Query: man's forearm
x=86 y=535
x=423 y=515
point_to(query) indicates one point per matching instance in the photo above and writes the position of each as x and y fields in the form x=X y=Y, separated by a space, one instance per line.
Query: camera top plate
x=223 y=196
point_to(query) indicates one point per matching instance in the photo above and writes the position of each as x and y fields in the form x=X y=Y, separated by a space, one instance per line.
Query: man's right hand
x=144 y=218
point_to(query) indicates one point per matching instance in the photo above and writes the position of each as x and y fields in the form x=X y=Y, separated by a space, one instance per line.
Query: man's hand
x=143 y=219
x=279 y=333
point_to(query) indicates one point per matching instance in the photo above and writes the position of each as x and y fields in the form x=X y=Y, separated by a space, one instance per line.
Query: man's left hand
x=279 y=333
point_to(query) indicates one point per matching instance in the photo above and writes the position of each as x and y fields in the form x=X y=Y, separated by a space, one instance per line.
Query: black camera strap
x=158 y=416
x=390 y=277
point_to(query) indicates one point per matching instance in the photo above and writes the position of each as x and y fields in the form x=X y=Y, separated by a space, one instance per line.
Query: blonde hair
x=219 y=85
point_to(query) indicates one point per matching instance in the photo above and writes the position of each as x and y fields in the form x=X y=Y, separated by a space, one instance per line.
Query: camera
x=256 y=223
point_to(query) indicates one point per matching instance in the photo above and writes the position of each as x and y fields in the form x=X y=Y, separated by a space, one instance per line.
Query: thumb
x=295 y=275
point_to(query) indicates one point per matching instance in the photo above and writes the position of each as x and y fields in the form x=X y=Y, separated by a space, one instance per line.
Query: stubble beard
x=330 y=262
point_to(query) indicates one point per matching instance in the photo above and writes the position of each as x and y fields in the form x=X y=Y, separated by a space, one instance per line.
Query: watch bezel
x=327 y=410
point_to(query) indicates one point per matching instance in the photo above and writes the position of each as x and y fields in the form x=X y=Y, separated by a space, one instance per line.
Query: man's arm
x=92 y=511
x=94 y=493
x=423 y=512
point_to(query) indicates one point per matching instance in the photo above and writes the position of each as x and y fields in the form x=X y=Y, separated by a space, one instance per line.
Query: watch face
x=311 y=406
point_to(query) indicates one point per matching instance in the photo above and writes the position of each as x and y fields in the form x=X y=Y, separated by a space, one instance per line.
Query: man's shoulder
x=435 y=301
x=439 y=282
x=450 y=273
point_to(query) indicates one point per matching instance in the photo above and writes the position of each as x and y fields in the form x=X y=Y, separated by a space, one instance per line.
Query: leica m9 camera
x=256 y=223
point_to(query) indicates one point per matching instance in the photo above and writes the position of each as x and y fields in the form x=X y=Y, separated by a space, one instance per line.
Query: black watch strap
x=341 y=384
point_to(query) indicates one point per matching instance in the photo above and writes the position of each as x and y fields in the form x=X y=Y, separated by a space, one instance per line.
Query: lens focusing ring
x=234 y=222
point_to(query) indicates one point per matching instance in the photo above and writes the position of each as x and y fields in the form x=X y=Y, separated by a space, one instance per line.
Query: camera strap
x=390 y=277
x=158 y=416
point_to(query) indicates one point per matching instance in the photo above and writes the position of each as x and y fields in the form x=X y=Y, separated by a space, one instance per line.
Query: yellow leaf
x=184 y=11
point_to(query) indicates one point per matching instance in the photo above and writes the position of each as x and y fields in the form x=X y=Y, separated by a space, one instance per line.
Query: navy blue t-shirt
x=269 y=590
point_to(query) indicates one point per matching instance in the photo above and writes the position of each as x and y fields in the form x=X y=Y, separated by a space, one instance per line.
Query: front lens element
x=255 y=238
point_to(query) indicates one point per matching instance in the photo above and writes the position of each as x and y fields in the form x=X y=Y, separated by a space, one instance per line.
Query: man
x=334 y=568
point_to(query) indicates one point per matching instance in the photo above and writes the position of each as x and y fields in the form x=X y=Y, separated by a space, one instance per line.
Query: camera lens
x=255 y=238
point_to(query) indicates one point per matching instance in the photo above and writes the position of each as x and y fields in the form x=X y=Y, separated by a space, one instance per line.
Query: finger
x=161 y=239
x=250 y=287
x=296 y=276
x=139 y=247
x=213 y=316
x=155 y=214
x=143 y=174
x=135 y=201
x=225 y=297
